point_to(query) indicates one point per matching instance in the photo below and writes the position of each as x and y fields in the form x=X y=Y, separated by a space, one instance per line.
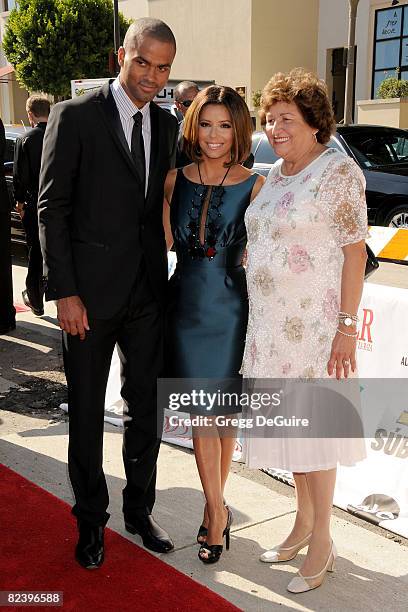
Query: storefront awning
x=6 y=70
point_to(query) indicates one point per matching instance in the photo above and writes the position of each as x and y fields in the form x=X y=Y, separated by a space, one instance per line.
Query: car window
x=265 y=154
x=334 y=144
x=401 y=149
x=379 y=149
x=256 y=137
x=9 y=152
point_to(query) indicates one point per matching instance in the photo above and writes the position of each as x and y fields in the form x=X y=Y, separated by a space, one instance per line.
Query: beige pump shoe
x=279 y=554
x=301 y=584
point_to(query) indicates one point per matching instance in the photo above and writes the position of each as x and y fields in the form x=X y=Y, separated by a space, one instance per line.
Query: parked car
x=12 y=133
x=382 y=154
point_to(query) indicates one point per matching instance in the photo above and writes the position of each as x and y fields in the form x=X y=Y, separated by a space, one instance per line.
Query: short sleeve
x=342 y=198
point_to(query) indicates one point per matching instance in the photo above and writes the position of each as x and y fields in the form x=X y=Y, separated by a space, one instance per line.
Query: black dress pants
x=7 y=310
x=34 y=280
x=138 y=331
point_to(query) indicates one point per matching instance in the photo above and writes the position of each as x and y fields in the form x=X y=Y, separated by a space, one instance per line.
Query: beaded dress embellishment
x=204 y=218
x=204 y=215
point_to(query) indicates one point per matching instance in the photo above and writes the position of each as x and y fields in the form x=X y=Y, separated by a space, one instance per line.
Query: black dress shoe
x=37 y=310
x=90 y=548
x=5 y=329
x=153 y=536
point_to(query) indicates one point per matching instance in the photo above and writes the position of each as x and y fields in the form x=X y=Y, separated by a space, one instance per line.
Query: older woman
x=305 y=271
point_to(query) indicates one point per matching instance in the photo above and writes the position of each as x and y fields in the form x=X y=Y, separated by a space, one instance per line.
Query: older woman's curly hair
x=308 y=92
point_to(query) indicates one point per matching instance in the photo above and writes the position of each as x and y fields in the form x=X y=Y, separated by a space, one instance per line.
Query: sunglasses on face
x=186 y=103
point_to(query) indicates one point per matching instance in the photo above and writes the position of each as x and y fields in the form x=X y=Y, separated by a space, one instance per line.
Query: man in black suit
x=26 y=174
x=105 y=159
x=7 y=310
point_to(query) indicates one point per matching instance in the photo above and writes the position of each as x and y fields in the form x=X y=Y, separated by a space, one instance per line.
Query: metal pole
x=116 y=34
x=348 y=94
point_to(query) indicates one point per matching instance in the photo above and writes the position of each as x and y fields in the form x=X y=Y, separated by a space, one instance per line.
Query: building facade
x=239 y=43
x=381 y=46
x=12 y=96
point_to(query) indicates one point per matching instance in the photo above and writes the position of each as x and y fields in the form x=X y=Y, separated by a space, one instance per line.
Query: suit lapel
x=154 y=146
x=110 y=114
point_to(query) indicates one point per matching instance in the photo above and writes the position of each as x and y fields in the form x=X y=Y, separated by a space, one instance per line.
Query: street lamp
x=348 y=94
x=113 y=62
x=116 y=35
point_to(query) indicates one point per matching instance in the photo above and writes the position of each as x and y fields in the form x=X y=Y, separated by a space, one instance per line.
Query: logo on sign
x=393 y=443
x=376 y=508
x=403 y=418
x=166 y=94
x=365 y=341
x=390 y=28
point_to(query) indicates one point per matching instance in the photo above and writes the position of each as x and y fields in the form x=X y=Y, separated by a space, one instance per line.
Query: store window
x=390 y=45
x=8 y=5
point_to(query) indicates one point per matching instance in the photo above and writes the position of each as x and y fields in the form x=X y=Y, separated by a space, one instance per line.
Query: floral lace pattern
x=296 y=227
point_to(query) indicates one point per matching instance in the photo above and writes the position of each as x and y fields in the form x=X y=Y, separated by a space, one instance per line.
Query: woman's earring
x=315 y=136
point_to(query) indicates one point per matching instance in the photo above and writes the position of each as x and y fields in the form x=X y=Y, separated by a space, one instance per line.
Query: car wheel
x=397 y=217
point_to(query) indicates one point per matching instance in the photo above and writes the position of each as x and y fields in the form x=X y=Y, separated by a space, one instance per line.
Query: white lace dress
x=296 y=227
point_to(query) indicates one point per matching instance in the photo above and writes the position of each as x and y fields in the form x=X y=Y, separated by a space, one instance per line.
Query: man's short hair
x=183 y=87
x=148 y=27
x=38 y=105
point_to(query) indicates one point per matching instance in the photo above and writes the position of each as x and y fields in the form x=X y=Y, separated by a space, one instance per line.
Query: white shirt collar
x=126 y=107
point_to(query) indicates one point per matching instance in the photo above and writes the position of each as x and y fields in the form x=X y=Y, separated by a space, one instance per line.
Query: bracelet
x=348 y=335
x=345 y=315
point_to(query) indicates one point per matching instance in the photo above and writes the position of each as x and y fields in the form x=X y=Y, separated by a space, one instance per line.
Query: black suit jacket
x=4 y=198
x=95 y=222
x=27 y=164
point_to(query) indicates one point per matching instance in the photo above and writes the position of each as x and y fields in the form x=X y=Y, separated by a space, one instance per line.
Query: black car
x=12 y=133
x=382 y=154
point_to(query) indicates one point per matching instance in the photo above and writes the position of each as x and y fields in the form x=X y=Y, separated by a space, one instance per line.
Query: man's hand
x=72 y=316
x=20 y=209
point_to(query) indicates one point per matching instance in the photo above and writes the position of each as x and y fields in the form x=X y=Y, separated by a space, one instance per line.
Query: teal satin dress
x=208 y=303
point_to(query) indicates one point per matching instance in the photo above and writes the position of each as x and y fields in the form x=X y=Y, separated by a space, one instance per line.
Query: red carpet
x=21 y=308
x=37 y=541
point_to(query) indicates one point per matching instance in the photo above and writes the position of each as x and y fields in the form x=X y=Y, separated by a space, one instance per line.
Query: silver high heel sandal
x=301 y=584
x=279 y=554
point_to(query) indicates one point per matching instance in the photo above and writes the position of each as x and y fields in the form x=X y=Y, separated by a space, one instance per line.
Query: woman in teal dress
x=204 y=211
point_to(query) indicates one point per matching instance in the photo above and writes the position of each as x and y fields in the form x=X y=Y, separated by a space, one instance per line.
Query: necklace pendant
x=211 y=252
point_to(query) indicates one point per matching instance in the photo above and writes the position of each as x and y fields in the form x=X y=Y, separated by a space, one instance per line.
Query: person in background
x=26 y=174
x=184 y=94
x=7 y=310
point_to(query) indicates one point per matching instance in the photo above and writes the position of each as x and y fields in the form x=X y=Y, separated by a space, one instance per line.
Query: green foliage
x=256 y=98
x=50 y=42
x=392 y=87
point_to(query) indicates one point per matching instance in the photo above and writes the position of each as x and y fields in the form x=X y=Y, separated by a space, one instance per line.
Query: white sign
x=81 y=86
x=166 y=95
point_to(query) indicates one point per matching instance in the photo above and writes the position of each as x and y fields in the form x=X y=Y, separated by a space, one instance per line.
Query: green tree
x=50 y=42
x=256 y=98
x=392 y=87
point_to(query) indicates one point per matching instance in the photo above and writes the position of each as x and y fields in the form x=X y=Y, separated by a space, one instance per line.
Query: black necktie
x=137 y=147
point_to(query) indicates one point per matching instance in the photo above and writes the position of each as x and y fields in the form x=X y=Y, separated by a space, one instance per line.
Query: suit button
x=142 y=227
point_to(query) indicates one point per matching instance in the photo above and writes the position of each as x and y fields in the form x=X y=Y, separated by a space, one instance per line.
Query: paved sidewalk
x=372 y=569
